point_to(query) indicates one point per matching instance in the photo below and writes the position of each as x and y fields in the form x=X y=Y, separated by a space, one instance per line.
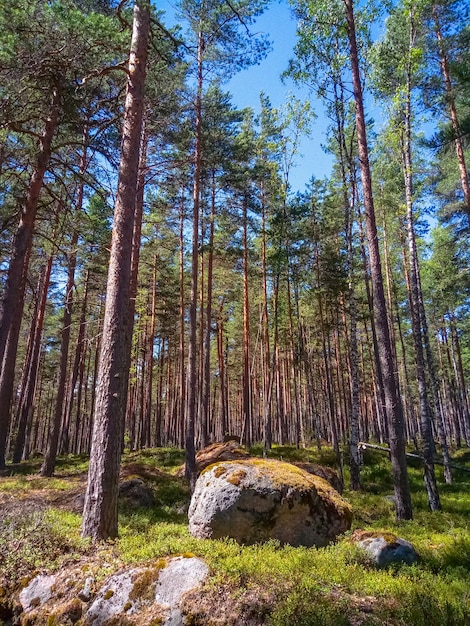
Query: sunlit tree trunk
x=100 y=510
x=208 y=326
x=268 y=373
x=392 y=399
x=247 y=383
x=425 y=410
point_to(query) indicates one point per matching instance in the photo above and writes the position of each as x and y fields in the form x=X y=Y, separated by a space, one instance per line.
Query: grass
x=332 y=586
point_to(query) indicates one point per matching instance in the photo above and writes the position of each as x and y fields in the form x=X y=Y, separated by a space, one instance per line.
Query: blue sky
x=278 y=23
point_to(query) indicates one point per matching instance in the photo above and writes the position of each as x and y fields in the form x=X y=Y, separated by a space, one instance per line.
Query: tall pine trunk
x=100 y=519
x=459 y=148
x=392 y=399
x=425 y=409
x=21 y=449
x=12 y=304
x=49 y=461
x=191 y=403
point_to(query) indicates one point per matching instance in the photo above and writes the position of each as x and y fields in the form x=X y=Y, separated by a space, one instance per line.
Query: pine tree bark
x=21 y=449
x=425 y=409
x=208 y=327
x=394 y=410
x=191 y=405
x=349 y=207
x=100 y=519
x=74 y=375
x=48 y=465
x=268 y=369
x=247 y=383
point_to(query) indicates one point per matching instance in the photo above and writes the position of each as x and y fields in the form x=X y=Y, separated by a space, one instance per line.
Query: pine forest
x=164 y=284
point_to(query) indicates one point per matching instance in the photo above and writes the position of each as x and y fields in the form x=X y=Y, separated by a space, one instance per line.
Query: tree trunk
x=392 y=399
x=190 y=469
x=49 y=461
x=12 y=305
x=74 y=375
x=247 y=386
x=182 y=371
x=425 y=411
x=268 y=373
x=459 y=149
x=208 y=327
x=100 y=510
x=21 y=450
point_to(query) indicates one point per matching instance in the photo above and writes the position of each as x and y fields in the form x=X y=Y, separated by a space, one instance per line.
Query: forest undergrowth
x=41 y=522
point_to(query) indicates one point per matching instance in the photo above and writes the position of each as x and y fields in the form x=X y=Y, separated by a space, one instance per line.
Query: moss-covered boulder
x=256 y=500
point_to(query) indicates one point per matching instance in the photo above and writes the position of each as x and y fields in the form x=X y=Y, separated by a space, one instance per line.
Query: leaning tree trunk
x=12 y=304
x=392 y=399
x=100 y=520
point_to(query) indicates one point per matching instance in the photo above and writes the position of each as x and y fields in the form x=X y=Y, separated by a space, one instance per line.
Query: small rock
x=37 y=592
x=129 y=593
x=383 y=549
x=136 y=493
x=181 y=575
x=112 y=597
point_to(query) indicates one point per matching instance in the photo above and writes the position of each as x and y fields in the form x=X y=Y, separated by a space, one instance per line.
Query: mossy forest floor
x=261 y=584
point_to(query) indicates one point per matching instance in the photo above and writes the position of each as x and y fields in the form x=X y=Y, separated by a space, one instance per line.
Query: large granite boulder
x=382 y=548
x=257 y=500
x=228 y=451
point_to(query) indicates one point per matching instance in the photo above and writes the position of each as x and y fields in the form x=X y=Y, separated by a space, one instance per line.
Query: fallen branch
x=362 y=446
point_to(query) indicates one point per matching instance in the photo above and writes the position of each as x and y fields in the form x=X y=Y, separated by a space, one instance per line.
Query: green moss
x=361 y=535
x=143 y=584
x=109 y=594
x=127 y=606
